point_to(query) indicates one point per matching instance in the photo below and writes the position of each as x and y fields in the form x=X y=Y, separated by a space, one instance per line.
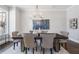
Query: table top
x=58 y=36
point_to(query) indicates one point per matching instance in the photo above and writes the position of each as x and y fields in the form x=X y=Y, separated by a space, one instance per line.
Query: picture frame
x=41 y=24
x=74 y=23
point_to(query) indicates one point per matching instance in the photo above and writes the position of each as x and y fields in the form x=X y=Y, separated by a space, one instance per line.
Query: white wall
x=6 y=8
x=14 y=19
x=73 y=12
x=18 y=19
x=57 y=20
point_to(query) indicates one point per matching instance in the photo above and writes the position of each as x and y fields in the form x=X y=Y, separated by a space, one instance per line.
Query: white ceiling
x=52 y=7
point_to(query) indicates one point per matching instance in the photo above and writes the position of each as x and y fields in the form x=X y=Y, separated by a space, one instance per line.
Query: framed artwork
x=74 y=23
x=41 y=24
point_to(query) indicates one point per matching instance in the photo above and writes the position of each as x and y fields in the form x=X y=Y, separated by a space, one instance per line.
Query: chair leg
x=51 y=50
x=36 y=48
x=14 y=45
x=23 y=49
x=26 y=50
x=66 y=46
x=17 y=43
x=43 y=50
x=59 y=46
x=33 y=50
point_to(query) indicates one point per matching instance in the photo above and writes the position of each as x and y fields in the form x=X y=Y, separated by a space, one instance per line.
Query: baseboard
x=73 y=40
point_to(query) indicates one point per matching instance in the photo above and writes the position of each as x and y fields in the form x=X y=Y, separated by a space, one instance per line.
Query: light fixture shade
x=37 y=14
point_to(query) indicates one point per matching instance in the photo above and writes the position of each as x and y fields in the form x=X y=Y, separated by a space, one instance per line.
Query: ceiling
x=50 y=7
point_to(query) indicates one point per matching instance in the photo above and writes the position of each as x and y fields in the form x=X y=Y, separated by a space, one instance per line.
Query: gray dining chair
x=63 y=42
x=29 y=41
x=14 y=37
x=47 y=42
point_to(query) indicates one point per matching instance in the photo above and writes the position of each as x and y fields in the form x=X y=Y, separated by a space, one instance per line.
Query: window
x=4 y=24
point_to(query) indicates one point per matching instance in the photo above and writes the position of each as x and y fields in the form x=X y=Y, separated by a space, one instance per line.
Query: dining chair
x=29 y=42
x=15 y=39
x=63 y=42
x=47 y=42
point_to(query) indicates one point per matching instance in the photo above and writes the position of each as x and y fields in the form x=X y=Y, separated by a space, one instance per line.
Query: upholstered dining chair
x=64 y=33
x=47 y=42
x=63 y=42
x=29 y=41
x=15 y=39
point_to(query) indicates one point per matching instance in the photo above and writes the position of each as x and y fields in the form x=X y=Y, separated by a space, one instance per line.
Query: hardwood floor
x=72 y=47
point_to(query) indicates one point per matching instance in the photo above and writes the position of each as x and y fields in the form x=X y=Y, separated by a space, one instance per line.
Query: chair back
x=64 y=33
x=14 y=34
x=28 y=39
x=47 y=40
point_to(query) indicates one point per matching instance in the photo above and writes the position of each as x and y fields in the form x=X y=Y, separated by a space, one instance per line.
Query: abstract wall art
x=41 y=24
